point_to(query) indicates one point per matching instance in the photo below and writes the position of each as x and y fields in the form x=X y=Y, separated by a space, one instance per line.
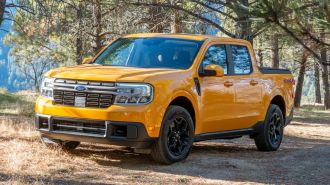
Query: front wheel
x=176 y=136
x=64 y=145
x=271 y=134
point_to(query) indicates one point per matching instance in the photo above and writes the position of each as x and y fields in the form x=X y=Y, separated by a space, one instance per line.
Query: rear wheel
x=65 y=145
x=271 y=134
x=176 y=136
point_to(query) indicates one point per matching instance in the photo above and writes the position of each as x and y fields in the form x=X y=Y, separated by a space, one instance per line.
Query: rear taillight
x=293 y=82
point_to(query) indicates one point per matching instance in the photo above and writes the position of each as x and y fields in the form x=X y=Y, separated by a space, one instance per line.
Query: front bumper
x=150 y=115
x=94 y=131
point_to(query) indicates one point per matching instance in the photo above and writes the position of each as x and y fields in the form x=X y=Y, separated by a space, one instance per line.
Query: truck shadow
x=226 y=160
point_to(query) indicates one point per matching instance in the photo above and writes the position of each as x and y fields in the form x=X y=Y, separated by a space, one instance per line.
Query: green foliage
x=7 y=98
x=63 y=32
x=21 y=103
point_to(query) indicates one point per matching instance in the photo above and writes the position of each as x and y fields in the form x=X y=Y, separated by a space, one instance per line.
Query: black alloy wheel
x=176 y=136
x=269 y=137
x=275 y=127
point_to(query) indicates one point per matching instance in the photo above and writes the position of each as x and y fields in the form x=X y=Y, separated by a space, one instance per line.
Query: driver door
x=217 y=93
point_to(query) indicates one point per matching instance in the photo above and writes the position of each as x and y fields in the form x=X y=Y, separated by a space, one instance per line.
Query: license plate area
x=80 y=101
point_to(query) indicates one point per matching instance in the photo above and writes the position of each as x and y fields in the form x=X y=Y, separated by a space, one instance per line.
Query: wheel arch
x=279 y=101
x=186 y=103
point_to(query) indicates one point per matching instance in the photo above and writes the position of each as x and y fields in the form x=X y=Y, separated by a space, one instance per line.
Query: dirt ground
x=304 y=158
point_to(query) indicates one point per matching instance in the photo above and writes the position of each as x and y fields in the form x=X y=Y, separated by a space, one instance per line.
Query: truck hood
x=106 y=73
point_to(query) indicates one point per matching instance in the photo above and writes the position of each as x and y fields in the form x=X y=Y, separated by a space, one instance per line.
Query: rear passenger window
x=216 y=54
x=241 y=59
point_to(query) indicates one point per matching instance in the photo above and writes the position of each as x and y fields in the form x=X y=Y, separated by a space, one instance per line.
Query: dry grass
x=21 y=103
x=24 y=160
x=23 y=154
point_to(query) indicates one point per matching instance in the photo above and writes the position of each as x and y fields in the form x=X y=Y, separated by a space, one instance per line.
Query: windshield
x=150 y=53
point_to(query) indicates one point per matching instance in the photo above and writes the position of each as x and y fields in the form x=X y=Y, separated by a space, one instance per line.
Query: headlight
x=46 y=87
x=134 y=93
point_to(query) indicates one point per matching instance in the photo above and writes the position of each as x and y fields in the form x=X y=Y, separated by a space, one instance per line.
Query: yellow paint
x=220 y=107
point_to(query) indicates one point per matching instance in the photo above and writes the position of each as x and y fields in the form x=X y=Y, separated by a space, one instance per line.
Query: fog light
x=43 y=123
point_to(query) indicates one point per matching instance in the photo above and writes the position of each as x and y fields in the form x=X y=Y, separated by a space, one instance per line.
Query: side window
x=241 y=59
x=216 y=54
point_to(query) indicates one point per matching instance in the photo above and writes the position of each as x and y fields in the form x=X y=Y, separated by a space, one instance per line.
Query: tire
x=64 y=145
x=176 y=136
x=271 y=134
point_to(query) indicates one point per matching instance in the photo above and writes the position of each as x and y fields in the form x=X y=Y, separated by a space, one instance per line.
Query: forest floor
x=302 y=159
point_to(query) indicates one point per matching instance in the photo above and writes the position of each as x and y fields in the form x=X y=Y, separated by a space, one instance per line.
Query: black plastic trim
x=198 y=86
x=136 y=136
x=268 y=70
x=229 y=133
x=206 y=72
x=289 y=118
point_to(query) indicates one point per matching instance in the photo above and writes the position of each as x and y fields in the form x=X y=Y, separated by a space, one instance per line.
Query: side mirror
x=87 y=60
x=213 y=70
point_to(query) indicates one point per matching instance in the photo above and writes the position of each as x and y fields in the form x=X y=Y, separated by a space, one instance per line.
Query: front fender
x=181 y=93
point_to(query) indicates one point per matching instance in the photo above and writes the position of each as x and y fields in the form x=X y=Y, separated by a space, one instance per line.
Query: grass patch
x=312 y=114
x=21 y=103
x=24 y=160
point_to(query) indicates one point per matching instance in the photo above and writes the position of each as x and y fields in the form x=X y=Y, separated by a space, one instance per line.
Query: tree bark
x=317 y=84
x=176 y=23
x=2 y=9
x=301 y=78
x=261 y=57
x=79 y=39
x=275 y=52
x=325 y=75
x=243 y=28
x=156 y=17
x=325 y=78
x=97 y=26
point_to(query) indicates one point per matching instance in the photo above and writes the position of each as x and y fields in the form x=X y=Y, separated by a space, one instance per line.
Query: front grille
x=94 y=95
x=91 y=99
x=94 y=128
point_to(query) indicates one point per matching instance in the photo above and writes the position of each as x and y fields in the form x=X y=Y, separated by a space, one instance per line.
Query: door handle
x=253 y=82
x=228 y=84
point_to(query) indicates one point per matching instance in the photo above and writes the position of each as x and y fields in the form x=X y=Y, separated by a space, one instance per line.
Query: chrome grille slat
x=97 y=94
x=91 y=91
x=88 y=86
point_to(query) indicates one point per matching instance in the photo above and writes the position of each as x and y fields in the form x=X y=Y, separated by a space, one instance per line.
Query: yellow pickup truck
x=159 y=93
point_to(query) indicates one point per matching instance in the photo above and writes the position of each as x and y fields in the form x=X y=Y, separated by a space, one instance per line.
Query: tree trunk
x=2 y=9
x=325 y=75
x=325 y=78
x=79 y=40
x=97 y=11
x=300 y=81
x=275 y=52
x=176 y=22
x=261 y=58
x=155 y=23
x=243 y=28
x=317 y=84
